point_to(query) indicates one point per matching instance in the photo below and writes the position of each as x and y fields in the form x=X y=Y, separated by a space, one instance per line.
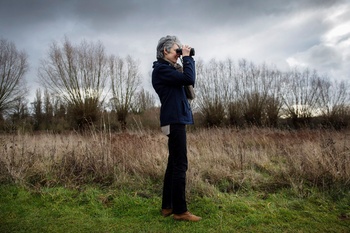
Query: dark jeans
x=174 y=189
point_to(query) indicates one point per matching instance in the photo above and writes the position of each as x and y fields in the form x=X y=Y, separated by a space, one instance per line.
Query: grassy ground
x=92 y=209
x=249 y=180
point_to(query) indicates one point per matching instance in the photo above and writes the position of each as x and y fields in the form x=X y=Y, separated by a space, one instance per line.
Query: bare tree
x=48 y=109
x=258 y=93
x=143 y=101
x=334 y=101
x=20 y=115
x=300 y=96
x=243 y=93
x=37 y=110
x=13 y=66
x=125 y=79
x=78 y=75
x=212 y=88
x=273 y=102
x=251 y=92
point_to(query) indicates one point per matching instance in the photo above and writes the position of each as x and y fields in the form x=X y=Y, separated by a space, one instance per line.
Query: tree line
x=82 y=87
x=246 y=94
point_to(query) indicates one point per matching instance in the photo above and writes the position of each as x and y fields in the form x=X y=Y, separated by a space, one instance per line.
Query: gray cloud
x=273 y=31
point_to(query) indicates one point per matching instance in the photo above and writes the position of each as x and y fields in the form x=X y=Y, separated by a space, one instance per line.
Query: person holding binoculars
x=169 y=81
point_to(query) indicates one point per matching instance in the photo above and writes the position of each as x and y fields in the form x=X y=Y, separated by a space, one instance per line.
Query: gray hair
x=166 y=43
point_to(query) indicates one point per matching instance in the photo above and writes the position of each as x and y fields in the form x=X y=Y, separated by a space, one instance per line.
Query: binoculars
x=179 y=51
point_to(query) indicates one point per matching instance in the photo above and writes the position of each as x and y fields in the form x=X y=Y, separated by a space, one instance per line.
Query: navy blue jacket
x=169 y=85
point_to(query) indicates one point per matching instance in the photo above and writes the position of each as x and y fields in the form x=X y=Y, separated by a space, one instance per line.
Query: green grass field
x=92 y=209
x=249 y=180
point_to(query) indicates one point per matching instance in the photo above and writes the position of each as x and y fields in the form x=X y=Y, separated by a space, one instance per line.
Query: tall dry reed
x=219 y=159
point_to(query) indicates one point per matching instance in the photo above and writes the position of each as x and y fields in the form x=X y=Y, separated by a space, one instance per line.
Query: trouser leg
x=174 y=190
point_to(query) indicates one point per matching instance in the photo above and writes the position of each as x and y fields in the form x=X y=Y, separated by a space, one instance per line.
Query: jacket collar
x=163 y=61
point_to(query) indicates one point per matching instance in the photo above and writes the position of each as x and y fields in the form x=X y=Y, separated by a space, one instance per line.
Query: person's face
x=172 y=55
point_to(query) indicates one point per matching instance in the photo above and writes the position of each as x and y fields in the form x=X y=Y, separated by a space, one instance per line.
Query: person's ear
x=165 y=52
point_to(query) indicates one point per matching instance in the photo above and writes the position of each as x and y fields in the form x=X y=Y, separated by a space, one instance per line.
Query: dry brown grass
x=224 y=159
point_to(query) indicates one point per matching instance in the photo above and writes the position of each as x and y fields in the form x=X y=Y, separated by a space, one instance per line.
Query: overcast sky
x=307 y=33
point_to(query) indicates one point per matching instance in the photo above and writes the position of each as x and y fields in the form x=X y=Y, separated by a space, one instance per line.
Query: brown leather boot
x=167 y=212
x=187 y=216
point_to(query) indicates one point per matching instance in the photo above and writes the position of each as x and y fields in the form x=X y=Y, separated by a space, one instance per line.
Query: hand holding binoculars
x=179 y=51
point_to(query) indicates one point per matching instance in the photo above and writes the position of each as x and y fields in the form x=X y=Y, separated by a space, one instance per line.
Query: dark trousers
x=174 y=189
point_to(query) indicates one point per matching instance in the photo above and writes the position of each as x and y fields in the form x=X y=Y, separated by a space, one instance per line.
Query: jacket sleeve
x=168 y=75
